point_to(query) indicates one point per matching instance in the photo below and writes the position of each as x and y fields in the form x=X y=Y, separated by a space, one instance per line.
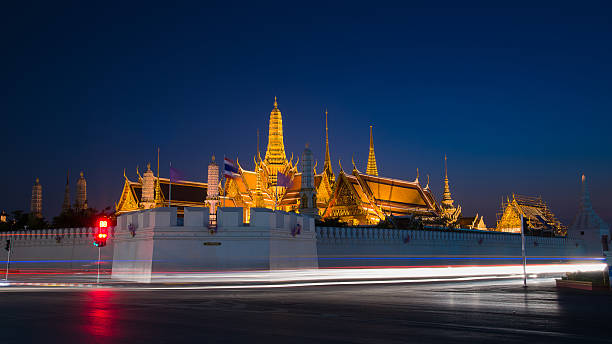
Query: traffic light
x=101 y=233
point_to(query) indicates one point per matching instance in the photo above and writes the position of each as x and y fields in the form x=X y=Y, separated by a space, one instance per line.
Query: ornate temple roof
x=184 y=194
x=536 y=213
x=372 y=198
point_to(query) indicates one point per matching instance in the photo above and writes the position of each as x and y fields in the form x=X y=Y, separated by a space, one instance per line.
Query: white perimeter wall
x=55 y=250
x=156 y=247
x=366 y=246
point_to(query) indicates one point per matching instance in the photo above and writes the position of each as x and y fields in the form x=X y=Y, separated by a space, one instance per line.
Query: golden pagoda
x=259 y=188
x=371 y=168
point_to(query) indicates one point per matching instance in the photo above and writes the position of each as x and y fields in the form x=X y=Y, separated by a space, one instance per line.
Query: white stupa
x=589 y=226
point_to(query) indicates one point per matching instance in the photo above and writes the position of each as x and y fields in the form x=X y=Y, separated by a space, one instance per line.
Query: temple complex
x=36 y=203
x=354 y=198
x=537 y=217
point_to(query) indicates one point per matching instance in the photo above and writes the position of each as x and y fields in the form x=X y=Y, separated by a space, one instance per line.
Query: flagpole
x=170 y=196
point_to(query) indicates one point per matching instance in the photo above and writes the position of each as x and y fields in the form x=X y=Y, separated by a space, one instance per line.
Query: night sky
x=519 y=98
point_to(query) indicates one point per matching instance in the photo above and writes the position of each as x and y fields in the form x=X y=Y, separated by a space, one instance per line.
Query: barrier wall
x=367 y=246
x=55 y=251
x=151 y=245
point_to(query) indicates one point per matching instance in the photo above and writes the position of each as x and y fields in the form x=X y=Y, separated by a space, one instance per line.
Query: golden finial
x=81 y=174
x=37 y=180
x=275 y=103
x=340 y=164
x=124 y=173
x=213 y=158
x=427 y=187
x=148 y=166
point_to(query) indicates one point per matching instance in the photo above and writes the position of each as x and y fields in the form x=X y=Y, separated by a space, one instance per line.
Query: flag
x=229 y=169
x=175 y=174
x=283 y=180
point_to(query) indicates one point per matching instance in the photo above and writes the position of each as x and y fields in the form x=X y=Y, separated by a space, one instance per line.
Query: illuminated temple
x=537 y=217
x=353 y=197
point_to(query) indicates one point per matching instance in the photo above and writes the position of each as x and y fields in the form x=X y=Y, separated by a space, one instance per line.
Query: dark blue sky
x=518 y=97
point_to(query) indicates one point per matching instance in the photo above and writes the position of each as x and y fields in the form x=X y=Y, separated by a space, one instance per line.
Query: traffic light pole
x=8 y=262
x=98 y=279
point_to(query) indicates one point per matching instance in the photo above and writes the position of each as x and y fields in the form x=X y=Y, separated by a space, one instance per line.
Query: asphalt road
x=457 y=312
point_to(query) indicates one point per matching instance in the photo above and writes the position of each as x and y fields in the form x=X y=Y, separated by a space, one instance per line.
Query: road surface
x=453 y=312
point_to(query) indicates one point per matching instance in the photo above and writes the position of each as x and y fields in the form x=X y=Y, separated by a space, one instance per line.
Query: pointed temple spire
x=447 y=201
x=258 y=151
x=371 y=168
x=327 y=166
x=276 y=159
x=586 y=217
x=66 y=204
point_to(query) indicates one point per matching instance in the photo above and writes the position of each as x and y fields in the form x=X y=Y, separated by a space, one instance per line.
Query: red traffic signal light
x=101 y=233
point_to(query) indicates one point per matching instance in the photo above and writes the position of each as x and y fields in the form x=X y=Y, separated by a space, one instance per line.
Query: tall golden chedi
x=36 y=202
x=276 y=159
x=371 y=168
x=81 y=193
x=259 y=188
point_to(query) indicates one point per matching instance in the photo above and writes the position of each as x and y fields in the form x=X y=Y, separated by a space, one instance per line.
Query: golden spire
x=447 y=201
x=275 y=158
x=417 y=178
x=258 y=152
x=327 y=167
x=371 y=168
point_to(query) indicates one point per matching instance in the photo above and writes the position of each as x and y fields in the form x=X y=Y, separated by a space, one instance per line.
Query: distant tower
x=66 y=204
x=148 y=189
x=212 y=190
x=371 y=169
x=81 y=193
x=308 y=195
x=36 y=204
